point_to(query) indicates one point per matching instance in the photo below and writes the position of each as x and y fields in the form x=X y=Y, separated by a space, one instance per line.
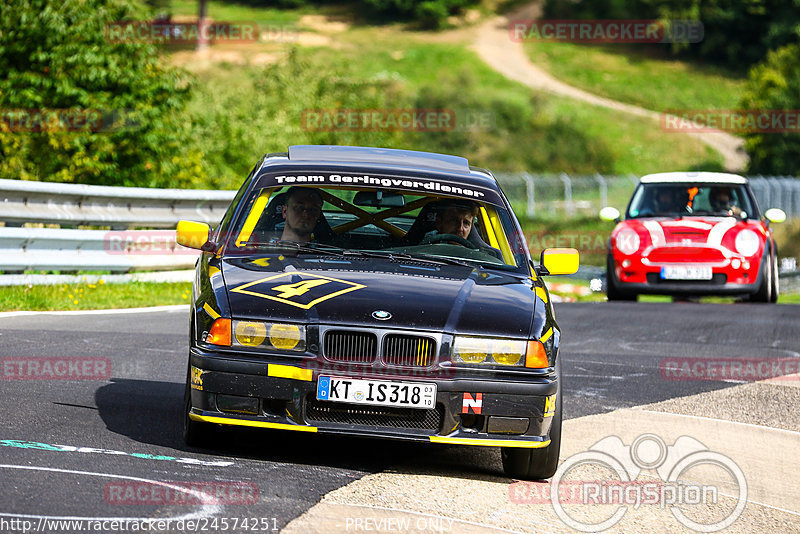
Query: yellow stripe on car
x=546 y=335
x=490 y=442
x=288 y=371
x=211 y=311
x=541 y=293
x=252 y=218
x=249 y=422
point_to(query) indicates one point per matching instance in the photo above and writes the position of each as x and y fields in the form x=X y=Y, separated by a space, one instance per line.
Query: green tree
x=775 y=85
x=56 y=55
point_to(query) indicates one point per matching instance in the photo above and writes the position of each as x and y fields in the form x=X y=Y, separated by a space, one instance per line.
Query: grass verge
x=638 y=76
x=97 y=296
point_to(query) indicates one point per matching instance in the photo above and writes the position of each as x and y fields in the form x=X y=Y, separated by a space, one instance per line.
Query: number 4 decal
x=288 y=291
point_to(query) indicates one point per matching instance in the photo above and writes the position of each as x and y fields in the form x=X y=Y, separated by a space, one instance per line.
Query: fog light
x=626 y=263
x=507 y=425
x=237 y=404
x=736 y=264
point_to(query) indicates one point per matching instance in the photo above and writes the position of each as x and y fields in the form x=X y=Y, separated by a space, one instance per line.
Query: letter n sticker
x=472 y=403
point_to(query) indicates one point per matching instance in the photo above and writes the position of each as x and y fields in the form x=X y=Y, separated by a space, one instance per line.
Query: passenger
x=665 y=201
x=301 y=212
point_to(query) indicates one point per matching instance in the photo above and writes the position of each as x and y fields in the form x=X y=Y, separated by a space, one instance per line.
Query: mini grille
x=352 y=347
x=408 y=351
x=330 y=412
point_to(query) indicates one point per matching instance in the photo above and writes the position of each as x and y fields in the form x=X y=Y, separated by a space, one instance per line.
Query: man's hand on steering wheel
x=449 y=238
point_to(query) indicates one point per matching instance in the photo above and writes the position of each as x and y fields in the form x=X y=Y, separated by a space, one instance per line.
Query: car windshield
x=681 y=200
x=373 y=222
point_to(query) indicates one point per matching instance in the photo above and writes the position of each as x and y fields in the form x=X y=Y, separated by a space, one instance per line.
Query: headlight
x=269 y=335
x=747 y=243
x=627 y=241
x=489 y=351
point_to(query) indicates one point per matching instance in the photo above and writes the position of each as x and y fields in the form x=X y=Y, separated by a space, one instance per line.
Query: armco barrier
x=60 y=249
x=116 y=207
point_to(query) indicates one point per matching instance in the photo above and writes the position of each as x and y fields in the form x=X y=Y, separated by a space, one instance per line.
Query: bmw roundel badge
x=381 y=315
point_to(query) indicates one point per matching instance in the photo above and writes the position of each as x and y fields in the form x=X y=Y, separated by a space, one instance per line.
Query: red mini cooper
x=690 y=234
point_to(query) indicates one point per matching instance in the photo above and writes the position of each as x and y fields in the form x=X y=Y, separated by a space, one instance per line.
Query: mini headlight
x=747 y=242
x=489 y=351
x=627 y=241
x=269 y=335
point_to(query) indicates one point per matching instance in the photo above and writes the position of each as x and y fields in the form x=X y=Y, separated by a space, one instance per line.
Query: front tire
x=764 y=292
x=195 y=433
x=612 y=291
x=537 y=464
x=775 y=280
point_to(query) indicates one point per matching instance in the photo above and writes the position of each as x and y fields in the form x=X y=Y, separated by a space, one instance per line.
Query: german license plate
x=686 y=272
x=377 y=392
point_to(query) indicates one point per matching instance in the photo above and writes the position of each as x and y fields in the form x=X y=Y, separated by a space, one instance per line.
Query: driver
x=456 y=218
x=301 y=212
x=721 y=200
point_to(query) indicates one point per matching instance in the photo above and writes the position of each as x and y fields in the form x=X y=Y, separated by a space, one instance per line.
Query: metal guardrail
x=116 y=207
x=58 y=249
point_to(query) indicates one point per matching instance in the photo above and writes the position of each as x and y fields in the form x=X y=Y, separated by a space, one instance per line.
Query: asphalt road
x=68 y=445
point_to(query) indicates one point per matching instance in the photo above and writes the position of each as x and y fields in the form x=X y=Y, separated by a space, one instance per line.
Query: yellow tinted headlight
x=269 y=335
x=250 y=334
x=507 y=352
x=484 y=350
x=470 y=349
x=285 y=336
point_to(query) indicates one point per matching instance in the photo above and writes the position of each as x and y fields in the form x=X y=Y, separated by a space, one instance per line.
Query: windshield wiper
x=314 y=248
x=448 y=260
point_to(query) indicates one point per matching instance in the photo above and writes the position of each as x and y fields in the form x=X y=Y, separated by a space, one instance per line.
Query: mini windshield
x=374 y=222
x=680 y=200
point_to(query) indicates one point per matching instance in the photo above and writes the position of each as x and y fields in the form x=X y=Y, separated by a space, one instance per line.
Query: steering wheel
x=439 y=238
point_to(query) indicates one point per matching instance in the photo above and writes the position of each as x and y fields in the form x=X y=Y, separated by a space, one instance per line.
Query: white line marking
x=170 y=308
x=210 y=509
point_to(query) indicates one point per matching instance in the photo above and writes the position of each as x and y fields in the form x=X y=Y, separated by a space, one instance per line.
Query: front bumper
x=276 y=394
x=645 y=279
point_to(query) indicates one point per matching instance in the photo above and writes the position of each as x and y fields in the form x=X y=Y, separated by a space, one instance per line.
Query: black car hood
x=448 y=298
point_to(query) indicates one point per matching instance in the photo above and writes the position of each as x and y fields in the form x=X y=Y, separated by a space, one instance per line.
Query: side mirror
x=609 y=214
x=195 y=235
x=775 y=215
x=559 y=261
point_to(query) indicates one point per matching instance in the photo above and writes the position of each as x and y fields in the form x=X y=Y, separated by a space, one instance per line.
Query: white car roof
x=682 y=177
